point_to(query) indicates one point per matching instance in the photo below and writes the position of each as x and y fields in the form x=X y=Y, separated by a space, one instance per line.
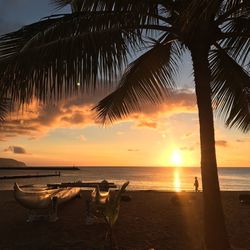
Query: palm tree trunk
x=214 y=223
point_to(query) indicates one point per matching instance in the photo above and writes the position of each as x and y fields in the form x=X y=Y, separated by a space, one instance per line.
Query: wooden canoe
x=42 y=198
x=99 y=196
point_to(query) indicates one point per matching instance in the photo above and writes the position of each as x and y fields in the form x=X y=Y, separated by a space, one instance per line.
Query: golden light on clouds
x=166 y=135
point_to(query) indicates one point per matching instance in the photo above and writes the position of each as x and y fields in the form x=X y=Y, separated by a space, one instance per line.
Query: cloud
x=15 y=150
x=148 y=124
x=221 y=143
x=182 y=100
x=36 y=120
x=187 y=148
x=245 y=140
x=76 y=112
x=133 y=150
x=76 y=118
x=83 y=138
x=119 y=133
x=187 y=135
x=240 y=140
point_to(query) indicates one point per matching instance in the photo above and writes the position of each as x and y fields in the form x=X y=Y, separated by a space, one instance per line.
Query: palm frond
x=59 y=4
x=149 y=11
x=4 y=109
x=237 y=38
x=146 y=10
x=232 y=9
x=191 y=14
x=51 y=55
x=76 y=5
x=148 y=79
x=12 y=43
x=122 y=5
x=141 y=7
x=230 y=90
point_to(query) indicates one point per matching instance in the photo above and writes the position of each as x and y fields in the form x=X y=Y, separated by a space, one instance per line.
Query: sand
x=157 y=220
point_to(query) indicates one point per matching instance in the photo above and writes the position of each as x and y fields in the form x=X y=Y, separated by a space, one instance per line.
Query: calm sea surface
x=141 y=178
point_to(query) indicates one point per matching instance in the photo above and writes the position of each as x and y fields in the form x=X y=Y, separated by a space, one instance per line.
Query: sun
x=176 y=158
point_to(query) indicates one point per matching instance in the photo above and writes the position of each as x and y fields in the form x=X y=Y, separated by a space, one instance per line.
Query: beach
x=151 y=220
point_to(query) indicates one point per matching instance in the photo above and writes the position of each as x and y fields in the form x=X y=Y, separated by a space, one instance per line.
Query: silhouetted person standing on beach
x=196 y=184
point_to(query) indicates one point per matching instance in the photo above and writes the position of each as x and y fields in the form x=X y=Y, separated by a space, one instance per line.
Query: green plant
x=110 y=211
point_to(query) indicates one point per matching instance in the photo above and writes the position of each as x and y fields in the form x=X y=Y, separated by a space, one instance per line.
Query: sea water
x=141 y=178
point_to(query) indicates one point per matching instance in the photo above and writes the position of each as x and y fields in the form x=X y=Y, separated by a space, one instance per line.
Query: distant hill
x=6 y=162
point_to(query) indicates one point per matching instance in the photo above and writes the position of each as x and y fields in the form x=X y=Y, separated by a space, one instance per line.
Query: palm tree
x=93 y=44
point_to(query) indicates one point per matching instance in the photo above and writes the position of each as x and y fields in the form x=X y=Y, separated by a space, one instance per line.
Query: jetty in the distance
x=28 y=176
x=40 y=168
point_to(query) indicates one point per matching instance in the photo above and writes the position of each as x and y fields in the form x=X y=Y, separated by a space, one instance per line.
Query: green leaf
x=112 y=206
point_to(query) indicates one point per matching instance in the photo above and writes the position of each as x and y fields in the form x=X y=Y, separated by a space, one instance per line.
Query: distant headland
x=7 y=163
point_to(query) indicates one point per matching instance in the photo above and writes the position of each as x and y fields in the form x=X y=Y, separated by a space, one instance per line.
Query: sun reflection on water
x=177 y=180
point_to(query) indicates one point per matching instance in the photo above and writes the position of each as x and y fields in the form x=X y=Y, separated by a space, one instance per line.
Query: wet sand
x=158 y=220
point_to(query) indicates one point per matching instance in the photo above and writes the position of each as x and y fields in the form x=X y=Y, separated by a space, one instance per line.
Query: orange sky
x=66 y=134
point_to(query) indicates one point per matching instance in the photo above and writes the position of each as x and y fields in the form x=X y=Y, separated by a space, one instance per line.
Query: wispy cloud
x=148 y=124
x=83 y=138
x=187 y=135
x=133 y=150
x=221 y=143
x=187 y=148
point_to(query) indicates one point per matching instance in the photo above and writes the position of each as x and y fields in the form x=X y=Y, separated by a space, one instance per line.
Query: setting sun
x=176 y=158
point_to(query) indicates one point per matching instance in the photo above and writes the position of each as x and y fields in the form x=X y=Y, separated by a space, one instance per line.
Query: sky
x=67 y=133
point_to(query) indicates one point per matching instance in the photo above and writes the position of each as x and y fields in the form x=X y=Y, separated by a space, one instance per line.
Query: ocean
x=141 y=178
